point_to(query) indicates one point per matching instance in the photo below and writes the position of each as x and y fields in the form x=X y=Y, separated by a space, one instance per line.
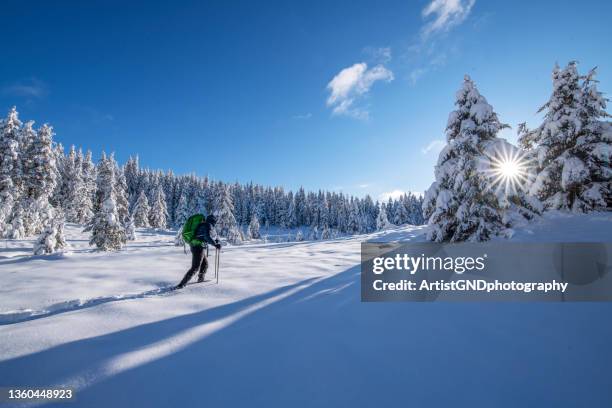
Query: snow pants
x=198 y=261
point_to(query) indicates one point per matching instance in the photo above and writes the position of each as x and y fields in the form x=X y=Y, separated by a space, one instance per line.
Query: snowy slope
x=286 y=328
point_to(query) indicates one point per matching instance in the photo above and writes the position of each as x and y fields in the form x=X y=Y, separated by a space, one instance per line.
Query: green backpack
x=190 y=227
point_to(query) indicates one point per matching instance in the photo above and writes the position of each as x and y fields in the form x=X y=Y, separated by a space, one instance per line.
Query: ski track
x=76 y=304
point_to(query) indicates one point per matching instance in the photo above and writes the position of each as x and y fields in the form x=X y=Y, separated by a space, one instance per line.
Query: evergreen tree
x=131 y=171
x=52 y=238
x=182 y=212
x=253 y=231
x=82 y=207
x=178 y=238
x=158 y=214
x=130 y=229
x=107 y=231
x=142 y=211
x=65 y=196
x=460 y=204
x=571 y=148
x=314 y=233
x=89 y=180
x=9 y=156
x=39 y=178
x=121 y=194
x=382 y=223
x=224 y=211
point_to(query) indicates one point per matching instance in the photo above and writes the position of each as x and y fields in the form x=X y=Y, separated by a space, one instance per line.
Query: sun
x=509 y=170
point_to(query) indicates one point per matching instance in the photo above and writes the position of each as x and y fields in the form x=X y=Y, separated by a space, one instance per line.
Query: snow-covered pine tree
x=182 y=211
x=460 y=205
x=141 y=211
x=314 y=233
x=69 y=183
x=89 y=178
x=291 y=214
x=39 y=178
x=326 y=232
x=16 y=229
x=130 y=229
x=107 y=231
x=253 y=230
x=178 y=238
x=9 y=157
x=354 y=219
x=571 y=148
x=52 y=238
x=224 y=211
x=382 y=223
x=131 y=170
x=400 y=215
x=159 y=214
x=121 y=193
x=82 y=209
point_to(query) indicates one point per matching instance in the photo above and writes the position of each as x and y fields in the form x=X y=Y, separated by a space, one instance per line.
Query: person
x=201 y=237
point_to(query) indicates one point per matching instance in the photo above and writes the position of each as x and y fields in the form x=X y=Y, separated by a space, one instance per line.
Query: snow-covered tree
x=121 y=194
x=178 y=238
x=159 y=214
x=82 y=207
x=382 y=223
x=182 y=211
x=224 y=212
x=253 y=231
x=326 y=232
x=107 y=231
x=141 y=212
x=89 y=179
x=461 y=204
x=314 y=234
x=130 y=229
x=571 y=146
x=39 y=177
x=9 y=155
x=52 y=238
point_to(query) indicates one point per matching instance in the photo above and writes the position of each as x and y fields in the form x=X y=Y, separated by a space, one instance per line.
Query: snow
x=574 y=172
x=285 y=327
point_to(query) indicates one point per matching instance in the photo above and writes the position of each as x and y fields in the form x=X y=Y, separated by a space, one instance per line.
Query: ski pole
x=217 y=265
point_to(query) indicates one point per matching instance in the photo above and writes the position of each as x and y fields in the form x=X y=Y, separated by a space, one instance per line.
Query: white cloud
x=434 y=146
x=394 y=195
x=351 y=84
x=32 y=88
x=380 y=55
x=429 y=52
x=445 y=14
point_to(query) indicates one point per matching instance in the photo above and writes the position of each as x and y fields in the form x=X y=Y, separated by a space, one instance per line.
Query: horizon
x=287 y=77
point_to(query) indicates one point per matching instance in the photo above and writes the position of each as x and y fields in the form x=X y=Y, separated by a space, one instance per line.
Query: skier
x=196 y=233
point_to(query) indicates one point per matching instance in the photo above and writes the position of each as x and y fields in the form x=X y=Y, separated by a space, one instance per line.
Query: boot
x=201 y=277
x=183 y=282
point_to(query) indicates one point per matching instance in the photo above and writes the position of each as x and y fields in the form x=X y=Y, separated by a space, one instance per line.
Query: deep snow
x=286 y=327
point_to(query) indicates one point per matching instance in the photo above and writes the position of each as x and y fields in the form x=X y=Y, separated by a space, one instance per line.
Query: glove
x=217 y=244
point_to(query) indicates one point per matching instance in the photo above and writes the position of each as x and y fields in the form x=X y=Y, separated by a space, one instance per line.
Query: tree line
x=42 y=186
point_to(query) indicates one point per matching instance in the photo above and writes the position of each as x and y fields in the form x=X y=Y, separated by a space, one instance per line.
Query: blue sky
x=342 y=95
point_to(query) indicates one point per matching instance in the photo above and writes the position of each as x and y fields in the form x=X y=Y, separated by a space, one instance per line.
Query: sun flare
x=509 y=170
